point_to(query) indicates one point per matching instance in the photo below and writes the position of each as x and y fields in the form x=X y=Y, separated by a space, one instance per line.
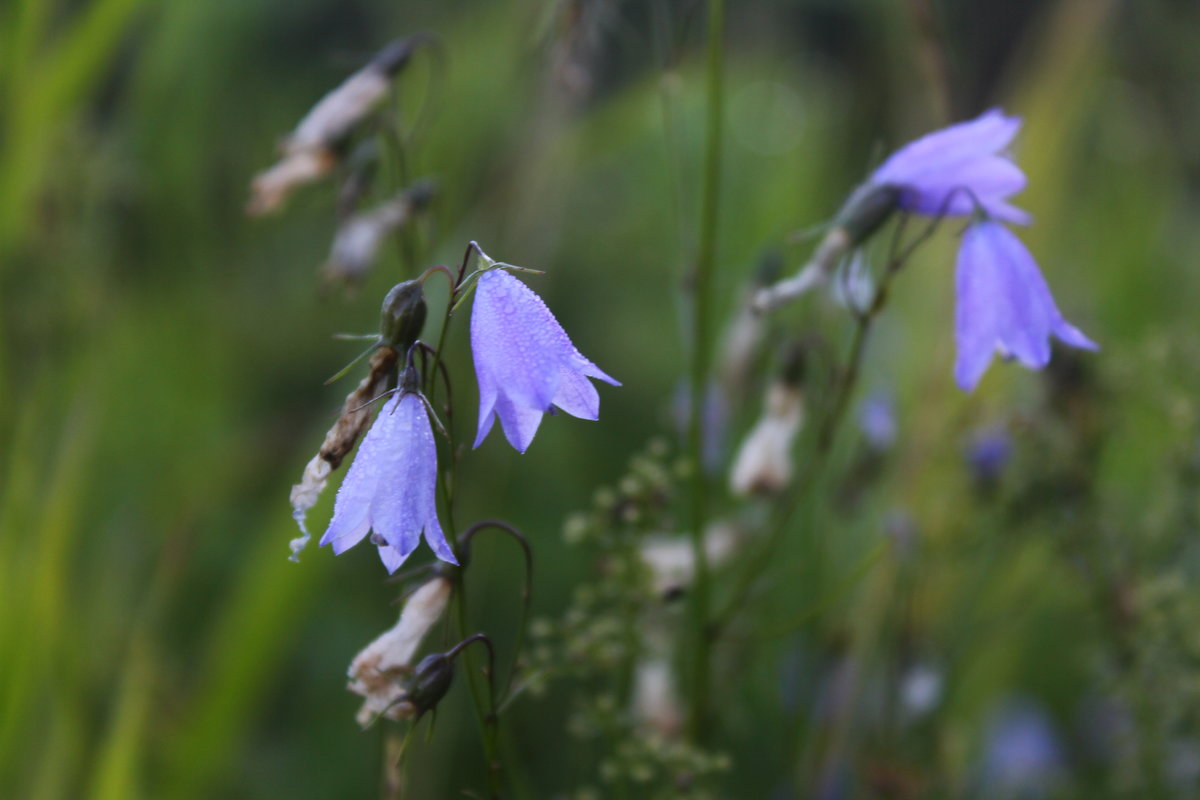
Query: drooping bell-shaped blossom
x=524 y=361
x=1004 y=305
x=390 y=489
x=958 y=169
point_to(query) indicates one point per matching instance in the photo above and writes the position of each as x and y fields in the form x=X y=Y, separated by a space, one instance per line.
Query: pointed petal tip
x=967 y=383
x=487 y=418
x=1069 y=334
x=342 y=538
x=436 y=538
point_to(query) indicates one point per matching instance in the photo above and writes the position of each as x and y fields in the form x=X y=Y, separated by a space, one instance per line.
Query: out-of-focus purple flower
x=525 y=362
x=958 y=169
x=877 y=421
x=988 y=454
x=390 y=488
x=1004 y=305
x=1022 y=756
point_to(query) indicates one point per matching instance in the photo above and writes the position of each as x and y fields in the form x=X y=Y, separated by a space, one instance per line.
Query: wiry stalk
x=701 y=335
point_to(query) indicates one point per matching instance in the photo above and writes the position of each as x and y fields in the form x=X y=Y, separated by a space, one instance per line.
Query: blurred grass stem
x=864 y=321
x=701 y=334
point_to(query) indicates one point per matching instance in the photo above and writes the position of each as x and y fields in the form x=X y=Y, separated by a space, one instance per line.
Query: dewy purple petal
x=391 y=487
x=519 y=424
x=514 y=332
x=525 y=363
x=576 y=395
x=351 y=511
x=409 y=467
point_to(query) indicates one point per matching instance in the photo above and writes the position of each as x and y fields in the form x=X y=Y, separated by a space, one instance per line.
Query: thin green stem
x=701 y=334
x=485 y=715
x=526 y=591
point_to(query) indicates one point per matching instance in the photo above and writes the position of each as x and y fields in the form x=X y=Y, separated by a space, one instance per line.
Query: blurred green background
x=163 y=358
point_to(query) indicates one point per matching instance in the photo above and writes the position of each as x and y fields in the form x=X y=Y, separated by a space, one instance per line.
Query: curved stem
x=526 y=592
x=488 y=721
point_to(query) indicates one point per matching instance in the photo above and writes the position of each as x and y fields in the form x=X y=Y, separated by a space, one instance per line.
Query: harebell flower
x=525 y=362
x=390 y=488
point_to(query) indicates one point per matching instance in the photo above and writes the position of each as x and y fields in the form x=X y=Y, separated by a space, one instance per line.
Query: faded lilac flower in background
x=524 y=361
x=390 y=488
x=958 y=169
x=1004 y=305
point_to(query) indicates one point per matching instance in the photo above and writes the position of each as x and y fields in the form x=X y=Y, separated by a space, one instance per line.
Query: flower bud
x=867 y=208
x=403 y=315
x=430 y=682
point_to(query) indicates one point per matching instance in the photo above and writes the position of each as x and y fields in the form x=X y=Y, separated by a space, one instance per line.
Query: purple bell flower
x=1004 y=305
x=525 y=362
x=390 y=488
x=958 y=169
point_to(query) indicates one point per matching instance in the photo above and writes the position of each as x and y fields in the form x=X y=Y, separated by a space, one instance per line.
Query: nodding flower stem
x=701 y=335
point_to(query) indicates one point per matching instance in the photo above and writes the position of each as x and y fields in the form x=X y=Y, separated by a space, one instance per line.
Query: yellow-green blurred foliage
x=163 y=355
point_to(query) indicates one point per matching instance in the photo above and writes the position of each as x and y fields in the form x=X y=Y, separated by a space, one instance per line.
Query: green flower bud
x=430 y=682
x=868 y=207
x=402 y=315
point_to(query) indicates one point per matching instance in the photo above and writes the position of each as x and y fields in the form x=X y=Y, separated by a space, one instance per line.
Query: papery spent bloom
x=1004 y=305
x=390 y=488
x=957 y=170
x=764 y=461
x=524 y=361
x=377 y=672
x=763 y=464
x=356 y=245
x=309 y=152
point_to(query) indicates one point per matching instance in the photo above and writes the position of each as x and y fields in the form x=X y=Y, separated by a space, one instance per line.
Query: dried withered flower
x=357 y=242
x=311 y=150
x=378 y=673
